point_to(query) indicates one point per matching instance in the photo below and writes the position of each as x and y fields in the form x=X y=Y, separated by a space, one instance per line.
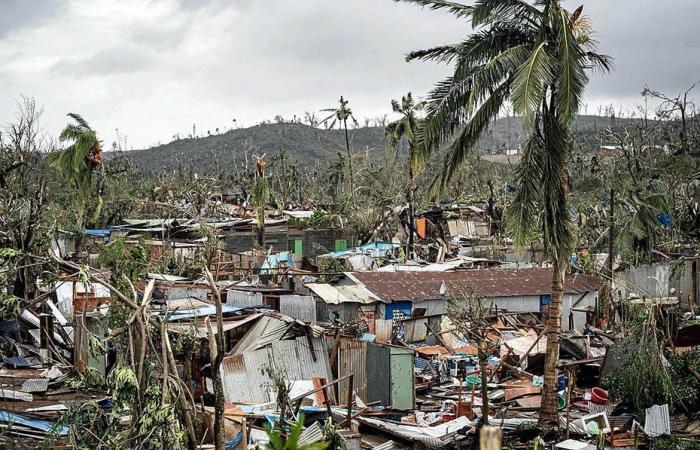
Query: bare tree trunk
x=347 y=145
x=217 y=355
x=484 y=382
x=549 y=415
x=410 y=198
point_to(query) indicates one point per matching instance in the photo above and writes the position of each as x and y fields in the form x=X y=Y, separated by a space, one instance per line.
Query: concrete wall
x=314 y=242
x=643 y=281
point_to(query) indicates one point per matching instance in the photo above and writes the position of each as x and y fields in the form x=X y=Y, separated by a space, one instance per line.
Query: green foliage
x=674 y=442
x=644 y=376
x=185 y=342
x=122 y=259
x=291 y=442
x=10 y=307
x=124 y=384
x=78 y=161
x=89 y=380
x=330 y=267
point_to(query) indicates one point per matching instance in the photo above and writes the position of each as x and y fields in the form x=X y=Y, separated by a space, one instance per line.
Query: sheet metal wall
x=301 y=307
x=244 y=299
x=244 y=379
x=180 y=292
x=382 y=373
x=415 y=330
x=352 y=358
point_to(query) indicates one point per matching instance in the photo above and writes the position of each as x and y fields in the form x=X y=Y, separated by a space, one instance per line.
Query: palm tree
x=407 y=127
x=340 y=116
x=81 y=159
x=259 y=198
x=535 y=55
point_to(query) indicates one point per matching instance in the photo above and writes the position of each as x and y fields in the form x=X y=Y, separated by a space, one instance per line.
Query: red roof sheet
x=489 y=283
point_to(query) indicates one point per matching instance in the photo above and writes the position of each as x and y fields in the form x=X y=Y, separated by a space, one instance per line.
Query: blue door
x=402 y=307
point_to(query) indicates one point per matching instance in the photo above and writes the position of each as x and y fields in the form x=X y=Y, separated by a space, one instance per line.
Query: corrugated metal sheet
x=300 y=307
x=418 y=286
x=200 y=329
x=244 y=378
x=657 y=421
x=312 y=434
x=244 y=299
x=352 y=359
x=267 y=330
x=178 y=292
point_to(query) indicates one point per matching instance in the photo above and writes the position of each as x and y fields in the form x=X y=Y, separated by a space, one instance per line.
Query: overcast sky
x=153 y=68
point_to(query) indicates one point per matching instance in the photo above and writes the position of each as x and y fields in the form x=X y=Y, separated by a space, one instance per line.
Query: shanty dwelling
x=381 y=373
x=425 y=294
x=344 y=300
x=301 y=307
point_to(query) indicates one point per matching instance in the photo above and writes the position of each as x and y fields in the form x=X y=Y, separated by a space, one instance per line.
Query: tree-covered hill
x=307 y=144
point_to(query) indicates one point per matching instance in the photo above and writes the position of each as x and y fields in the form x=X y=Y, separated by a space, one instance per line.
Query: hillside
x=307 y=144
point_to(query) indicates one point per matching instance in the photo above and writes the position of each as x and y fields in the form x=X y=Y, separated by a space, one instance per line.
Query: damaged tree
x=216 y=351
x=469 y=318
x=537 y=57
x=407 y=127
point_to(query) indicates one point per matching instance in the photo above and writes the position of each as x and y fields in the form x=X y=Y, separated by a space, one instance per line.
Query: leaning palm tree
x=535 y=55
x=80 y=159
x=407 y=127
x=340 y=116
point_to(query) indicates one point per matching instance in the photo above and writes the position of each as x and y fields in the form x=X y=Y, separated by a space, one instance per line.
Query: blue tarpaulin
x=99 y=232
x=272 y=262
x=37 y=424
x=378 y=249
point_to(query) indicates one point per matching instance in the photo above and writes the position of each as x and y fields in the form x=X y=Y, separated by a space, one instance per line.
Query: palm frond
x=487 y=44
x=80 y=121
x=465 y=140
x=571 y=77
x=458 y=9
x=523 y=212
x=492 y=11
x=557 y=227
x=450 y=103
x=600 y=62
x=531 y=81
x=441 y=54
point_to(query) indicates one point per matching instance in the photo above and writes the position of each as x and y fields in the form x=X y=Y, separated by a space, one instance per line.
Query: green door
x=297 y=247
x=402 y=378
x=341 y=245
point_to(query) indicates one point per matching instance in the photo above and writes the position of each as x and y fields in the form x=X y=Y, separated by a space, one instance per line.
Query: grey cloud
x=206 y=61
x=17 y=14
x=111 y=61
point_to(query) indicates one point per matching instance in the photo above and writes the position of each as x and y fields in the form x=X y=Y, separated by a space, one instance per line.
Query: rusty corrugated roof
x=489 y=283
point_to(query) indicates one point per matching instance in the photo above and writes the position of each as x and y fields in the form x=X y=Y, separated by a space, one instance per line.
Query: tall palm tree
x=535 y=55
x=80 y=159
x=340 y=115
x=407 y=127
x=260 y=198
